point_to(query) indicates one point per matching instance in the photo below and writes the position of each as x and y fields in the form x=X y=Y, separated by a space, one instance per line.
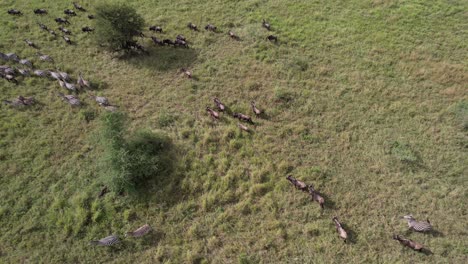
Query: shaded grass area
x=364 y=99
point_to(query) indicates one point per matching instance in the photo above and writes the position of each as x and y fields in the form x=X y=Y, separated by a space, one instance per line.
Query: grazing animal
x=87 y=29
x=233 y=35
x=221 y=106
x=56 y=76
x=9 y=78
x=103 y=192
x=157 y=41
x=7 y=70
x=418 y=226
x=64 y=76
x=300 y=185
x=71 y=99
x=186 y=73
x=102 y=101
x=12 y=56
x=26 y=62
x=213 y=113
x=78 y=7
x=3 y=56
x=141 y=231
x=82 y=82
x=70 y=86
x=30 y=43
x=65 y=31
x=45 y=58
x=180 y=43
x=192 y=26
x=60 y=20
x=111 y=108
x=107 y=241
x=14 y=12
x=272 y=38
x=243 y=117
x=62 y=84
x=341 y=232
x=411 y=244
x=243 y=127
x=181 y=37
x=168 y=42
x=255 y=109
x=156 y=29
x=67 y=40
x=266 y=25
x=53 y=33
x=40 y=73
x=24 y=72
x=43 y=27
x=211 y=27
x=69 y=12
x=315 y=196
x=40 y=11
x=21 y=101
x=90 y=16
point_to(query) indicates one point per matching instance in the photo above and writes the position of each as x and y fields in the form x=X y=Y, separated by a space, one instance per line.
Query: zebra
x=107 y=241
x=418 y=226
x=141 y=231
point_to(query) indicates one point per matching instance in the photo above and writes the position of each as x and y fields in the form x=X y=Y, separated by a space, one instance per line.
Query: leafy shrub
x=129 y=161
x=117 y=24
x=283 y=95
x=461 y=111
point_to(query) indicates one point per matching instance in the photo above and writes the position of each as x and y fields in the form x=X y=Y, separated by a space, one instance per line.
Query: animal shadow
x=352 y=235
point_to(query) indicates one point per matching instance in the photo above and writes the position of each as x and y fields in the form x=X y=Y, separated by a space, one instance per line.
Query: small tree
x=117 y=25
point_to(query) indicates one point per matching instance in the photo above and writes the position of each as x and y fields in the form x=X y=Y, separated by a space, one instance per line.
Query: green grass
x=364 y=99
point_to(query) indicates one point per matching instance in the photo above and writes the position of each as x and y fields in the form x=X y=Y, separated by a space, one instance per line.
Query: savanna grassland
x=366 y=100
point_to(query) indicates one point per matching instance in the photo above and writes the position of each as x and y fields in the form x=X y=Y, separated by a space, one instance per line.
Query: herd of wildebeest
x=64 y=80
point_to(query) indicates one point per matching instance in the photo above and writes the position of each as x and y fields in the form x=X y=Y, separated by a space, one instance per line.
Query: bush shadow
x=162 y=58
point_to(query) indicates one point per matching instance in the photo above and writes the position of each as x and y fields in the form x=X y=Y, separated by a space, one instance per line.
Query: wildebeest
x=255 y=109
x=211 y=27
x=30 y=43
x=411 y=244
x=79 y=7
x=300 y=185
x=43 y=27
x=60 y=20
x=40 y=11
x=69 y=12
x=233 y=35
x=243 y=117
x=266 y=25
x=91 y=16
x=87 y=29
x=341 y=232
x=213 y=113
x=15 y=12
x=181 y=37
x=156 y=29
x=272 y=38
x=71 y=99
x=21 y=101
x=243 y=127
x=67 y=40
x=192 y=26
x=181 y=43
x=65 y=31
x=157 y=41
x=168 y=42
x=315 y=196
x=219 y=104
x=82 y=82
x=186 y=72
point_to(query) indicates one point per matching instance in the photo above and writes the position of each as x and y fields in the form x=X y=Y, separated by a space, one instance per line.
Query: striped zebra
x=418 y=226
x=141 y=231
x=107 y=241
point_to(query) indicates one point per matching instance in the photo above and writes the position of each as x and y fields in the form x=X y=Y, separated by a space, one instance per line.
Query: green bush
x=117 y=24
x=128 y=162
x=403 y=152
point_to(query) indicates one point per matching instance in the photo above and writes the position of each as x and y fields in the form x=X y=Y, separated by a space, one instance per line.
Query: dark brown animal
x=30 y=43
x=192 y=26
x=300 y=185
x=156 y=29
x=87 y=29
x=211 y=28
x=14 y=12
x=65 y=31
x=157 y=41
x=233 y=35
x=79 y=7
x=69 y=12
x=43 y=27
x=243 y=117
x=411 y=244
x=266 y=25
x=67 y=40
x=168 y=42
x=221 y=106
x=315 y=196
x=103 y=192
x=272 y=38
x=90 y=16
x=180 y=43
x=186 y=73
x=40 y=11
x=255 y=109
x=341 y=232
x=60 y=20
x=213 y=113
